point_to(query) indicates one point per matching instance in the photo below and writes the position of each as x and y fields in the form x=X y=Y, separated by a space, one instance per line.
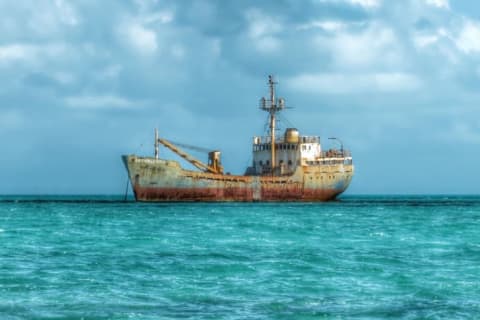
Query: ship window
x=289 y=162
x=303 y=148
x=261 y=162
x=280 y=162
x=268 y=162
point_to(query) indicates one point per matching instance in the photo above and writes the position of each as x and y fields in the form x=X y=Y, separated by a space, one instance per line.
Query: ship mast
x=275 y=105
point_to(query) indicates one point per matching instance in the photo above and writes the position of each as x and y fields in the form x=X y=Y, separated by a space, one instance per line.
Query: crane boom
x=200 y=165
x=190 y=147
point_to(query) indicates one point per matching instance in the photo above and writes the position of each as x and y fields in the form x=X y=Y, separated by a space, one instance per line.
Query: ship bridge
x=291 y=150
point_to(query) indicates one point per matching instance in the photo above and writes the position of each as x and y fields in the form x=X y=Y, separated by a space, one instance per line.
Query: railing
x=280 y=139
x=332 y=157
x=329 y=162
x=335 y=153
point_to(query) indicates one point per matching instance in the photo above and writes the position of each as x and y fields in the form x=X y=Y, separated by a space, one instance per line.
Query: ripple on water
x=362 y=257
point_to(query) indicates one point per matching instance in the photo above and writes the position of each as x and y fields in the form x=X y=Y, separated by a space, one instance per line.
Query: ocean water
x=357 y=258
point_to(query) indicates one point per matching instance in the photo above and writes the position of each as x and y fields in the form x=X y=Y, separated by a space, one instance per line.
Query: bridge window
x=268 y=162
x=289 y=162
x=260 y=162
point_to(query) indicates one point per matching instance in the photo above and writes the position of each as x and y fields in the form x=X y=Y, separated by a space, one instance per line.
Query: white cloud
x=163 y=17
x=338 y=83
x=366 y=3
x=468 y=40
x=374 y=47
x=14 y=52
x=141 y=39
x=425 y=40
x=27 y=53
x=98 y=102
x=262 y=30
x=443 y=4
x=327 y=25
x=66 y=12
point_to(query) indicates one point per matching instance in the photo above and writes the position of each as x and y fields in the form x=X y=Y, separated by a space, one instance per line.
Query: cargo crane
x=214 y=163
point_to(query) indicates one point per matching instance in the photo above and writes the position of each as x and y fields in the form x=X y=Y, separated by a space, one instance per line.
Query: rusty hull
x=165 y=180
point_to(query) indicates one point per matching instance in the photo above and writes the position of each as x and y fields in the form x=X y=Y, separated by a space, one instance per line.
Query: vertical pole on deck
x=156 y=143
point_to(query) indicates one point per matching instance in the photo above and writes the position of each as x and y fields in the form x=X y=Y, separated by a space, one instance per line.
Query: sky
x=84 y=82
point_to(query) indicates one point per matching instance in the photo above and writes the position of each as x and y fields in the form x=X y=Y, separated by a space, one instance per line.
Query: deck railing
x=281 y=139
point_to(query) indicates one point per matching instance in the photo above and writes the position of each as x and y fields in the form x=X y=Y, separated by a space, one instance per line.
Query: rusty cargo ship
x=287 y=167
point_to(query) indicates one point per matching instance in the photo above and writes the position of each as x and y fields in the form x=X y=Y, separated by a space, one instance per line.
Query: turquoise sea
x=367 y=257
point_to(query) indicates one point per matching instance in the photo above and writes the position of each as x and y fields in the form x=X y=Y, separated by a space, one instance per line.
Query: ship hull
x=158 y=180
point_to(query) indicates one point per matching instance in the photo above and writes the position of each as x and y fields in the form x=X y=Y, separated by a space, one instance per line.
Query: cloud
x=403 y=64
x=375 y=47
x=24 y=53
x=468 y=40
x=262 y=30
x=99 y=102
x=326 y=25
x=443 y=4
x=141 y=39
x=425 y=40
x=66 y=13
x=366 y=3
x=342 y=83
x=12 y=52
